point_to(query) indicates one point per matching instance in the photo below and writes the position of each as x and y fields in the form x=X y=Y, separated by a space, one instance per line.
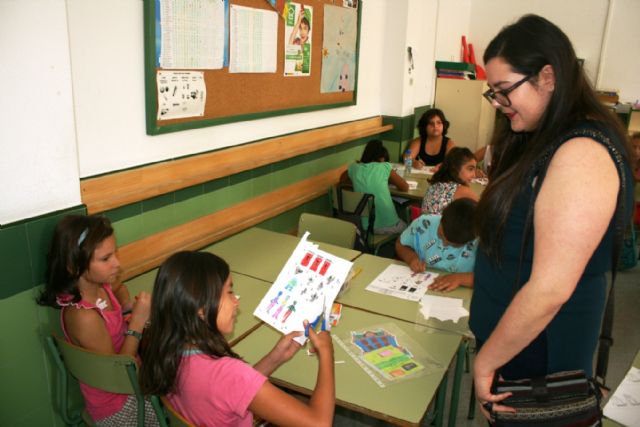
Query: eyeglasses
x=501 y=96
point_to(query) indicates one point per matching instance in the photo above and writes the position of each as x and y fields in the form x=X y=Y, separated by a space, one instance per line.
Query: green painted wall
x=26 y=396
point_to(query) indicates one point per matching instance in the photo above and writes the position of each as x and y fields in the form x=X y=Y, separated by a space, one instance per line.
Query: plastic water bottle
x=408 y=162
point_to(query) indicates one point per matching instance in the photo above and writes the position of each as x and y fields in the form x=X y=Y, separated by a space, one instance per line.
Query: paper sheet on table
x=309 y=281
x=442 y=308
x=624 y=406
x=399 y=281
x=412 y=185
x=481 y=181
x=253 y=40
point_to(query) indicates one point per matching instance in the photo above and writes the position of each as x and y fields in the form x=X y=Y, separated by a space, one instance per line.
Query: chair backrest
x=328 y=230
x=357 y=208
x=175 y=419
x=113 y=373
x=414 y=212
x=108 y=372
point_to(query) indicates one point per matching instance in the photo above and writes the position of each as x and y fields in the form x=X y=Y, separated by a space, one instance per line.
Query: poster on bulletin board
x=210 y=62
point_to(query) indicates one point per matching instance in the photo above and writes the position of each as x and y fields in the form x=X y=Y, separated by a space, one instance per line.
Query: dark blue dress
x=570 y=339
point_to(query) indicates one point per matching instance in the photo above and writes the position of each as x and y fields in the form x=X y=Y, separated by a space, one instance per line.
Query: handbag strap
x=541 y=166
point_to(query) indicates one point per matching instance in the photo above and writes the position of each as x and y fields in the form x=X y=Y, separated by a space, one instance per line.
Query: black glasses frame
x=503 y=94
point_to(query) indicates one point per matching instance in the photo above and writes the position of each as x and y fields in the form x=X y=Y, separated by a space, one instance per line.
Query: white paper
x=253 y=40
x=442 y=308
x=624 y=406
x=399 y=281
x=412 y=185
x=192 y=34
x=481 y=181
x=180 y=94
x=309 y=281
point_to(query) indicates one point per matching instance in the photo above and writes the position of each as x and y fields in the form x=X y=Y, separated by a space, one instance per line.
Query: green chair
x=359 y=208
x=328 y=230
x=175 y=419
x=110 y=372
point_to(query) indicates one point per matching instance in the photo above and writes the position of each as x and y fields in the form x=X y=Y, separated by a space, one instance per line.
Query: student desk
x=250 y=290
x=402 y=403
x=262 y=253
x=357 y=296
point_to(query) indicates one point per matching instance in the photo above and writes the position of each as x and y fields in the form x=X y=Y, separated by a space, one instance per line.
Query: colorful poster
x=339 y=49
x=298 y=22
x=305 y=288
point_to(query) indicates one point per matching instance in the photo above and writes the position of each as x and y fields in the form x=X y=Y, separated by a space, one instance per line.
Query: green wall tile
x=124 y=212
x=129 y=229
x=157 y=220
x=216 y=184
x=261 y=180
x=39 y=234
x=15 y=262
x=158 y=202
x=188 y=193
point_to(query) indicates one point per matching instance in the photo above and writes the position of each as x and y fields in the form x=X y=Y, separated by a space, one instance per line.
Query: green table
x=357 y=296
x=250 y=290
x=262 y=253
x=403 y=403
x=423 y=184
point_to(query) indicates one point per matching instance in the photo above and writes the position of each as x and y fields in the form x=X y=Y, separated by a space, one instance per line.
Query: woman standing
x=546 y=220
x=433 y=144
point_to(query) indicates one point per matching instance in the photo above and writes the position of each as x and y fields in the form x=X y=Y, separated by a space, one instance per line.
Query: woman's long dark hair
x=451 y=165
x=424 y=120
x=528 y=45
x=74 y=240
x=374 y=151
x=186 y=283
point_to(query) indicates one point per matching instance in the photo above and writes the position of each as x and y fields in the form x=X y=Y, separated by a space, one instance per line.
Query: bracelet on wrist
x=134 y=334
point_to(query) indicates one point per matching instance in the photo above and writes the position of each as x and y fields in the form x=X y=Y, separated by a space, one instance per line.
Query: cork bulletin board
x=232 y=97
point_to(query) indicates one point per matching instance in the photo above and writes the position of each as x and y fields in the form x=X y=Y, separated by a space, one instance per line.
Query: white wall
x=452 y=23
x=621 y=52
x=109 y=91
x=38 y=164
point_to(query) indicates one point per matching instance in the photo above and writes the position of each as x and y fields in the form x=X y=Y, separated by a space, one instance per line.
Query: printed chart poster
x=339 y=49
x=253 y=40
x=191 y=33
x=180 y=94
x=298 y=24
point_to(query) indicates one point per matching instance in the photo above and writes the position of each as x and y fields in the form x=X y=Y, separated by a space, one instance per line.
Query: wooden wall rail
x=122 y=188
x=146 y=254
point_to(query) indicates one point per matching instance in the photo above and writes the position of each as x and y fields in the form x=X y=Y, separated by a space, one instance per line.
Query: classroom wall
x=38 y=165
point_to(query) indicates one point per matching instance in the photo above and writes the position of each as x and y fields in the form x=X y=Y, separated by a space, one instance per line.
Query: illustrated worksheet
x=399 y=281
x=306 y=287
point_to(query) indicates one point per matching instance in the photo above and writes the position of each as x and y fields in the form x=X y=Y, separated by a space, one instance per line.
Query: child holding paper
x=444 y=242
x=189 y=360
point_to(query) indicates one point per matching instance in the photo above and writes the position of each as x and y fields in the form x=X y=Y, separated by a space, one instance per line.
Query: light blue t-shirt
x=422 y=237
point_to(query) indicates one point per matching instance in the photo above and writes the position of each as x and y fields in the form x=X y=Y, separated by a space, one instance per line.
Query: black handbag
x=567 y=398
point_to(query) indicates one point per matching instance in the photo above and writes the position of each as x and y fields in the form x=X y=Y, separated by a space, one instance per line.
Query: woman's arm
x=414 y=147
x=571 y=214
x=282 y=409
x=398 y=181
x=465 y=192
x=410 y=257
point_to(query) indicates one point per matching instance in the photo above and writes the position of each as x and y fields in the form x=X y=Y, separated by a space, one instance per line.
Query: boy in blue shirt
x=446 y=242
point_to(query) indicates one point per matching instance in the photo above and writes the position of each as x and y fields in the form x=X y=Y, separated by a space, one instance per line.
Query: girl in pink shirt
x=189 y=360
x=82 y=280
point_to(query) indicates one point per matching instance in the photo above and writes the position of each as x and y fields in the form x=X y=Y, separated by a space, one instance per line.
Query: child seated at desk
x=188 y=358
x=451 y=181
x=446 y=242
x=372 y=175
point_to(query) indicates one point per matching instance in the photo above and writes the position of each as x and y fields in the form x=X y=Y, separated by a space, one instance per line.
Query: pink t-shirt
x=101 y=404
x=216 y=392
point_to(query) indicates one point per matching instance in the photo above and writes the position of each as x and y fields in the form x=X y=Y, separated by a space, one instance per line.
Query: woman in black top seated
x=432 y=145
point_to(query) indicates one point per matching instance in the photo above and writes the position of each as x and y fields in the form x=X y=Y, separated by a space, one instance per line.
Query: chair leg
x=472 y=402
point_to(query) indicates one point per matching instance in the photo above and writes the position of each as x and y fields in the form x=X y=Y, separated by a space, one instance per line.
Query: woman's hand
x=418 y=164
x=417 y=266
x=140 y=311
x=285 y=348
x=322 y=342
x=483 y=379
x=449 y=282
